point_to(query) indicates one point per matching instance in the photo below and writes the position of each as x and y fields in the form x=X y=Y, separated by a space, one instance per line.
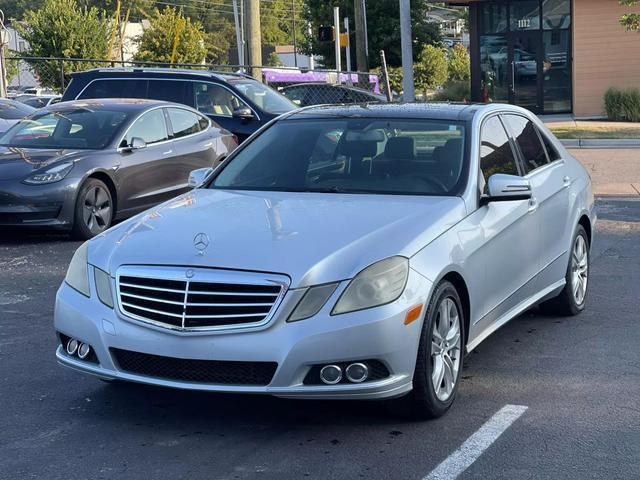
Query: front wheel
x=440 y=354
x=94 y=209
x=572 y=299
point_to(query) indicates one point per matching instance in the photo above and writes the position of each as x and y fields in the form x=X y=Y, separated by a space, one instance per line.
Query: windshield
x=265 y=97
x=356 y=155
x=80 y=128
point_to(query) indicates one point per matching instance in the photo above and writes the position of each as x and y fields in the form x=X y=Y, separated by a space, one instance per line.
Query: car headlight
x=78 y=271
x=378 y=284
x=51 y=175
x=312 y=301
x=103 y=286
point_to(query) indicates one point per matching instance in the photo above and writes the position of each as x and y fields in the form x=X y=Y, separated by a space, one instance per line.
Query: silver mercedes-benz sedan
x=340 y=253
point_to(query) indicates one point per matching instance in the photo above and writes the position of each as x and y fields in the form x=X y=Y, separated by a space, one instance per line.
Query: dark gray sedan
x=80 y=165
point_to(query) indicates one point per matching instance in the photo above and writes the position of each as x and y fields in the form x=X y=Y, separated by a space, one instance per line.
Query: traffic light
x=326 y=34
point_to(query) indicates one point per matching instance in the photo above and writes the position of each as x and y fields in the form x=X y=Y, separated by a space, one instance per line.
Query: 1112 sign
x=524 y=23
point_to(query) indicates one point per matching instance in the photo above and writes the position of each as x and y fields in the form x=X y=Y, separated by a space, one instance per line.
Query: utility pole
x=408 y=92
x=254 y=33
x=4 y=38
x=348 y=47
x=312 y=62
x=362 y=55
x=295 y=46
x=236 y=21
x=336 y=34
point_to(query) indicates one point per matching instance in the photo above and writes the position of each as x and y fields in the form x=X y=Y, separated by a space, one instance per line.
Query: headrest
x=453 y=144
x=359 y=149
x=400 y=148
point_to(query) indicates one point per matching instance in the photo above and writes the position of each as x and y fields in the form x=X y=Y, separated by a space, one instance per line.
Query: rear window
x=177 y=91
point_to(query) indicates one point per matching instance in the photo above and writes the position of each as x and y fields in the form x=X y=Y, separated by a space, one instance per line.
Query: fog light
x=357 y=372
x=331 y=374
x=72 y=346
x=83 y=351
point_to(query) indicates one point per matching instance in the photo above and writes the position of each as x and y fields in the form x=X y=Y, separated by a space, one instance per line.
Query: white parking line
x=472 y=448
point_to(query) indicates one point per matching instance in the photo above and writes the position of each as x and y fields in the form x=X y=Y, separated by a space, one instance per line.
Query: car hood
x=311 y=237
x=20 y=162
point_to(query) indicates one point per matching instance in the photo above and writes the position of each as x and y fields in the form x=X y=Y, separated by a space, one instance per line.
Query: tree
x=156 y=43
x=459 y=63
x=630 y=21
x=430 y=70
x=273 y=60
x=138 y=9
x=383 y=28
x=62 y=28
x=276 y=19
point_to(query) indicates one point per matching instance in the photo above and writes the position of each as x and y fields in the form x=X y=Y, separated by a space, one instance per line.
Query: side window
x=496 y=154
x=552 y=153
x=115 y=88
x=526 y=135
x=183 y=122
x=177 y=91
x=150 y=127
x=213 y=99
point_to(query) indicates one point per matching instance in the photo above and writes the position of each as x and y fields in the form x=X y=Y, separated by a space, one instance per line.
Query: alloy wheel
x=445 y=349
x=579 y=269
x=96 y=211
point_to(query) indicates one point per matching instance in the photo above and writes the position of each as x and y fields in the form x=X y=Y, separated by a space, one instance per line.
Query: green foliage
x=383 y=28
x=156 y=43
x=62 y=28
x=276 y=21
x=273 y=60
x=137 y=8
x=454 y=91
x=630 y=21
x=11 y=66
x=459 y=63
x=622 y=104
x=431 y=69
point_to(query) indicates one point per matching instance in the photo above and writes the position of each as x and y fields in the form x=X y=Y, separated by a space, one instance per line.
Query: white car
x=353 y=252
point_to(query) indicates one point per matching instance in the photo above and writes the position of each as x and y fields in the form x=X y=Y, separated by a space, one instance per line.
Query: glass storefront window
x=557 y=71
x=493 y=17
x=525 y=15
x=494 y=56
x=556 y=14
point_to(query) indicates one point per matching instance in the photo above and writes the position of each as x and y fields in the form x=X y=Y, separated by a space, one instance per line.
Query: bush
x=454 y=91
x=623 y=104
x=431 y=69
x=459 y=63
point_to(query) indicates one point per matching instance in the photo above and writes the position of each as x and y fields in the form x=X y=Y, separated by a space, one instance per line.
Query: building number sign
x=524 y=23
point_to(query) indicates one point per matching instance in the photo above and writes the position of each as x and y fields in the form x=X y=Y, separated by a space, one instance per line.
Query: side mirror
x=197 y=177
x=506 y=188
x=243 y=113
x=137 y=143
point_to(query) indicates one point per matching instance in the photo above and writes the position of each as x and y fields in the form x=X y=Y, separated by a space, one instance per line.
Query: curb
x=601 y=143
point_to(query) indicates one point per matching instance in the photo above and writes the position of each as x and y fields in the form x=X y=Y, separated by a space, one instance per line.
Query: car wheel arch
x=457 y=280
x=109 y=182
x=586 y=224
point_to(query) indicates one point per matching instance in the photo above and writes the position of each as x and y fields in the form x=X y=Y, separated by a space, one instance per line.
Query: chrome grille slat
x=220 y=299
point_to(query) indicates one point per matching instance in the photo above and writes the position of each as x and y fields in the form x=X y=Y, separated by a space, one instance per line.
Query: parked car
x=11 y=112
x=40 y=101
x=15 y=90
x=305 y=94
x=342 y=253
x=79 y=165
x=236 y=102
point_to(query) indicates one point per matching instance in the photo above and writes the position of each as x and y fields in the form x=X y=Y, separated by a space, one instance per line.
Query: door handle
x=533 y=205
x=168 y=152
x=566 y=182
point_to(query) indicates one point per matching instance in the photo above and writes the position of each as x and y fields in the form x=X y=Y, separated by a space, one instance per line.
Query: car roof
x=154 y=72
x=123 y=104
x=432 y=111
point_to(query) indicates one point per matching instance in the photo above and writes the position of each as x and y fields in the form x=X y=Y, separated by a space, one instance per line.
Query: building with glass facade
x=550 y=56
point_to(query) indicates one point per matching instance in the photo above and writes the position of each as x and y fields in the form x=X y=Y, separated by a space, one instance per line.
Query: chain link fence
x=52 y=75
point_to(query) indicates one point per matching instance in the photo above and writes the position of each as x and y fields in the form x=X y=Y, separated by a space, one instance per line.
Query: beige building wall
x=604 y=53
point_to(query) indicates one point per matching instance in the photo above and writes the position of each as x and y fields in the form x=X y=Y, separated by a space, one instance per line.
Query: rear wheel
x=94 y=209
x=440 y=354
x=572 y=299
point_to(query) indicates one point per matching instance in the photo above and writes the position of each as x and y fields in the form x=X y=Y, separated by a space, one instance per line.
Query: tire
x=426 y=401
x=572 y=298
x=94 y=209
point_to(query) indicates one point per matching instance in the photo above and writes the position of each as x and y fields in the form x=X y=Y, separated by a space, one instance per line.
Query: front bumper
x=378 y=334
x=50 y=205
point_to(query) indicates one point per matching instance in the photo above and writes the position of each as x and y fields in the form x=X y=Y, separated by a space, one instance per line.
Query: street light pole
x=408 y=93
x=336 y=31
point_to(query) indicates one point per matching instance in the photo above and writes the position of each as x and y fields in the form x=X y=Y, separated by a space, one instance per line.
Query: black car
x=79 y=165
x=236 y=102
x=317 y=93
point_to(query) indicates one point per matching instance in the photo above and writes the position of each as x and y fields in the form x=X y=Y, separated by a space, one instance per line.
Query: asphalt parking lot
x=579 y=379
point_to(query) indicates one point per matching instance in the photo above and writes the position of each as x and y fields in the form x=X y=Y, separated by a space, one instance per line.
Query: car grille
x=198 y=299
x=197 y=371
